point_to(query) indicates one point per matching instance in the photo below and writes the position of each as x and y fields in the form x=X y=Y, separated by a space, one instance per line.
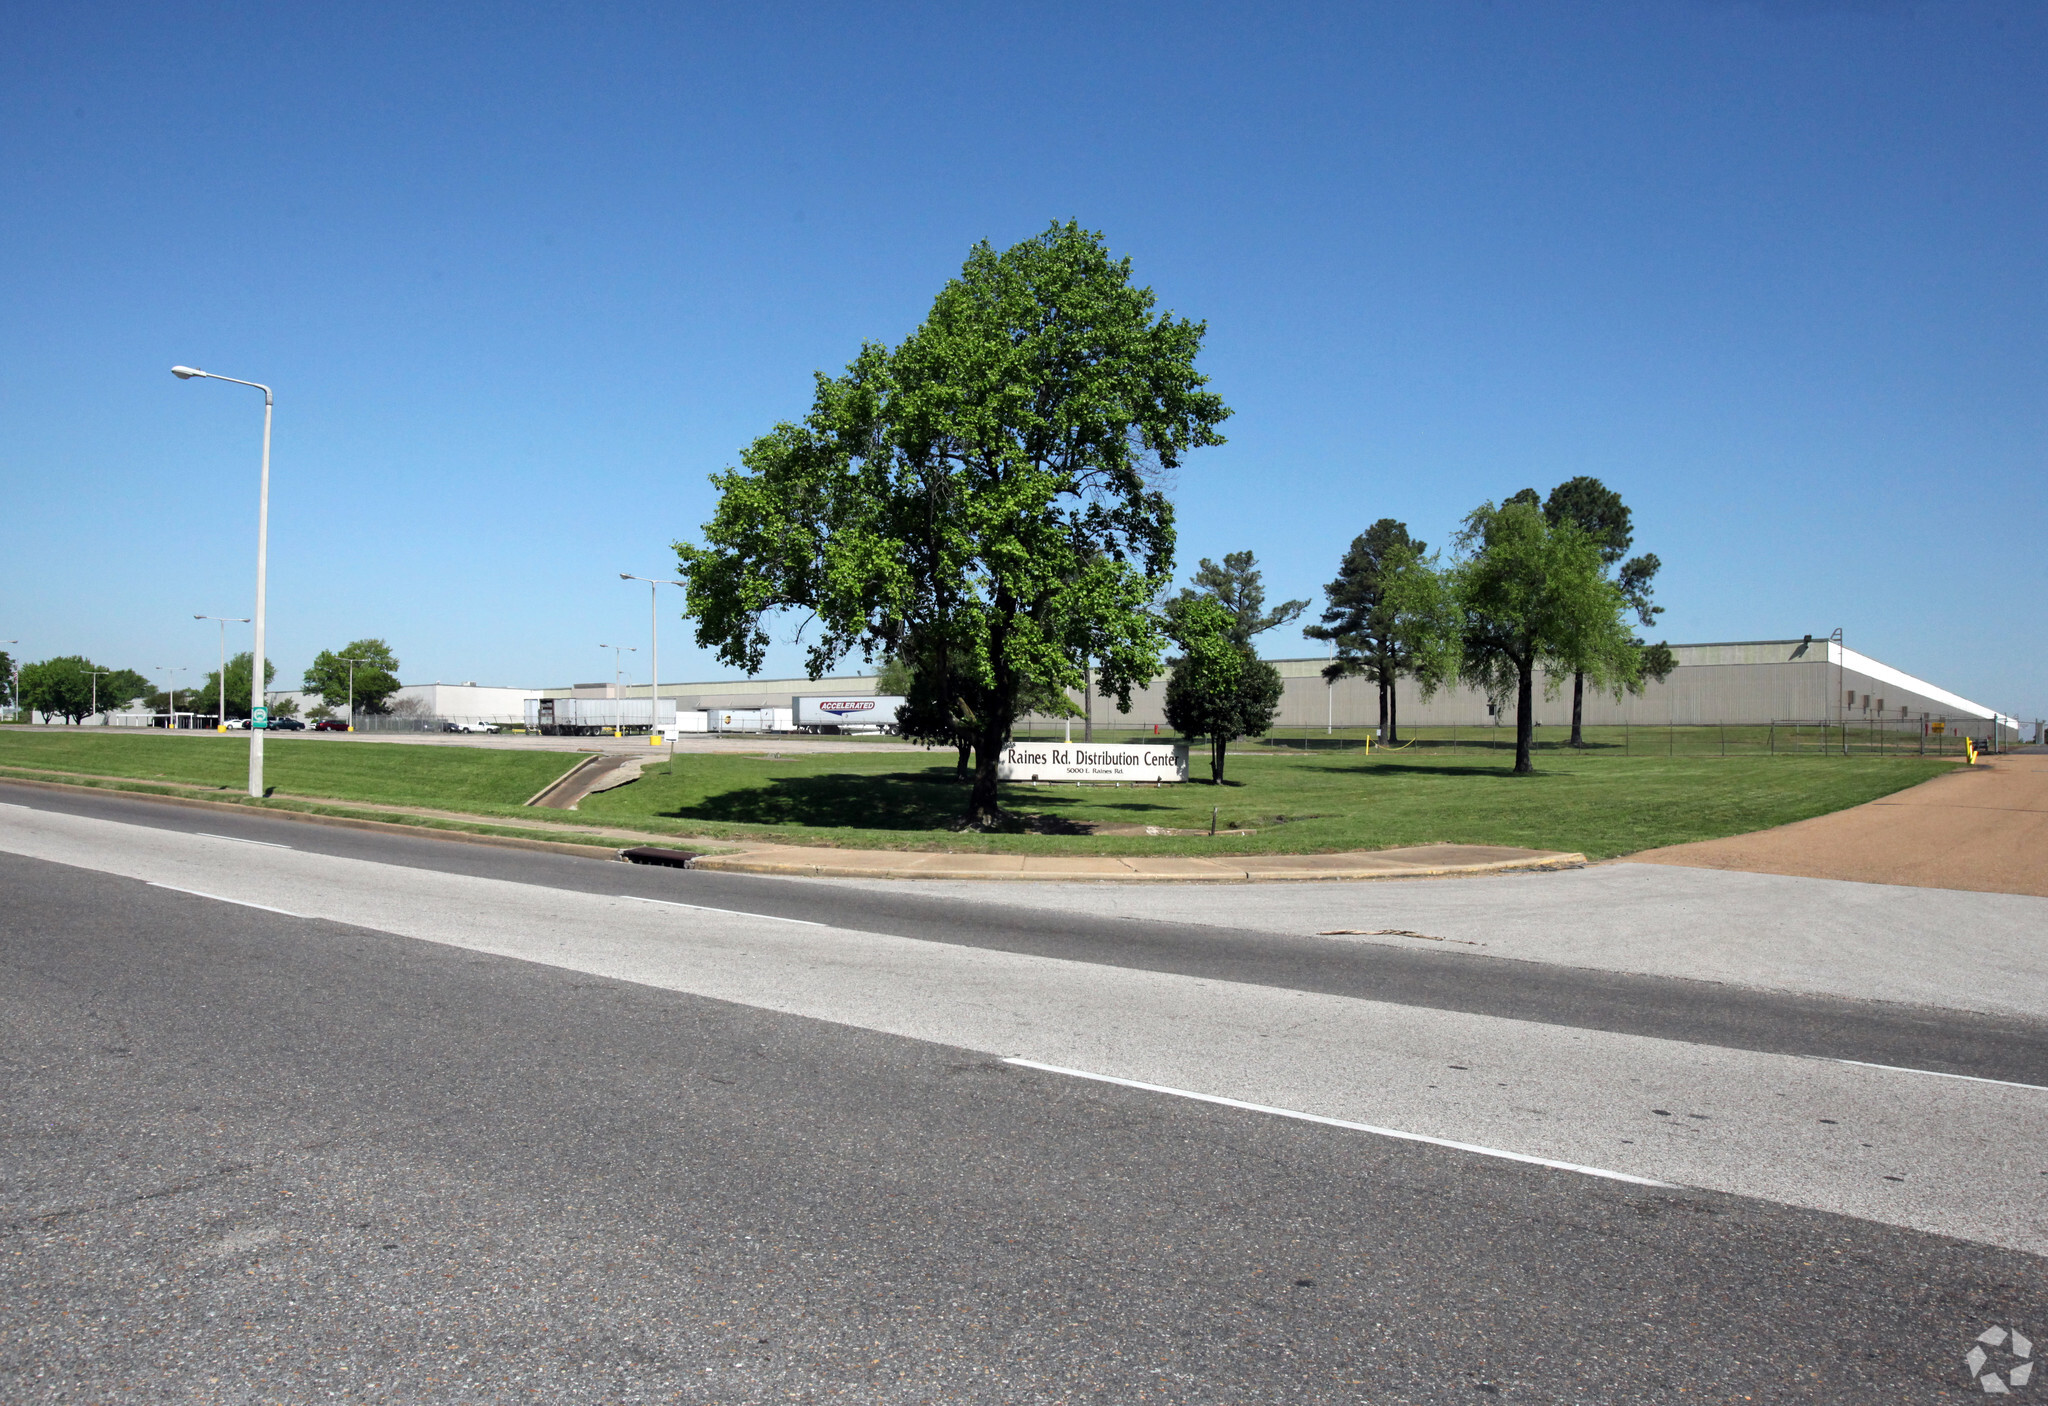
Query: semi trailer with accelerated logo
x=828 y=713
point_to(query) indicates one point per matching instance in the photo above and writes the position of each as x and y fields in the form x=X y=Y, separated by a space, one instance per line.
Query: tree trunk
x=1393 y=717
x=966 y=747
x=1578 y=706
x=1088 y=698
x=984 y=805
x=1525 y=702
x=1383 y=710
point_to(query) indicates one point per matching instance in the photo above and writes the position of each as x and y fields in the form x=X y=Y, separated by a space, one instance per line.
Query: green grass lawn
x=1600 y=805
x=1600 y=802
x=458 y=778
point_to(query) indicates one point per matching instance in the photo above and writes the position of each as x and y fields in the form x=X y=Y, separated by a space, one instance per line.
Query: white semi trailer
x=830 y=713
x=588 y=717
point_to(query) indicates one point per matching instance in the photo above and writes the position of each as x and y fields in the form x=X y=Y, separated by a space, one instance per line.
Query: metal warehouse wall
x=1756 y=681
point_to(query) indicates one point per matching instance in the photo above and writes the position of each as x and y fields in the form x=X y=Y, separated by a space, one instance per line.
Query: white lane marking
x=267 y=844
x=1345 y=1123
x=730 y=912
x=1942 y=1074
x=238 y=902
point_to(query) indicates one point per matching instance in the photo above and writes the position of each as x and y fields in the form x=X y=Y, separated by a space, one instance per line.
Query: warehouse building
x=1810 y=679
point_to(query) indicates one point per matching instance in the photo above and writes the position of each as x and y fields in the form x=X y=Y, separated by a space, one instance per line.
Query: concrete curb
x=741 y=864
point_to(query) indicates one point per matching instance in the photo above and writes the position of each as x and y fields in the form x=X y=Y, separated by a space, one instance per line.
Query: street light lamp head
x=186 y=373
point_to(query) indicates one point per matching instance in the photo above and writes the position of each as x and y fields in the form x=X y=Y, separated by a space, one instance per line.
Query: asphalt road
x=1702 y=1012
x=251 y=1156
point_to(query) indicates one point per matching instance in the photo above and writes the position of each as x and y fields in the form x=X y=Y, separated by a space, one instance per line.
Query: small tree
x=1217 y=689
x=206 y=698
x=1238 y=587
x=1528 y=593
x=982 y=497
x=1371 y=621
x=1599 y=511
x=376 y=675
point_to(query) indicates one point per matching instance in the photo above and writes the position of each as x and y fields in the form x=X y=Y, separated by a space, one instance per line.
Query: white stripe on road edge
x=1344 y=1123
x=238 y=902
x=729 y=912
x=267 y=844
x=1943 y=1074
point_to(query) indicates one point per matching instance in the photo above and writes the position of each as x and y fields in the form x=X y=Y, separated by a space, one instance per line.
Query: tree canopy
x=1377 y=615
x=985 y=498
x=1238 y=586
x=376 y=675
x=206 y=698
x=1528 y=594
x=1599 y=511
x=1217 y=689
x=70 y=686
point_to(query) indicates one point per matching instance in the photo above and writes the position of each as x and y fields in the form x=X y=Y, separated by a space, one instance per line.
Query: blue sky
x=524 y=275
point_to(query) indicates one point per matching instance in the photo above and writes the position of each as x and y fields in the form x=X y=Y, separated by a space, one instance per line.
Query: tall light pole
x=97 y=675
x=1841 y=677
x=171 y=672
x=225 y=621
x=259 y=713
x=654 y=586
x=352 y=661
x=618 y=729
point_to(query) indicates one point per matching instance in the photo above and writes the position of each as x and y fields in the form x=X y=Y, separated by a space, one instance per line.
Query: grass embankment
x=449 y=778
x=1599 y=803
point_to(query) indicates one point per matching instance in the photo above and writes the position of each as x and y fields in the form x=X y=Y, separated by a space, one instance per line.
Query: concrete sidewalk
x=1418 y=862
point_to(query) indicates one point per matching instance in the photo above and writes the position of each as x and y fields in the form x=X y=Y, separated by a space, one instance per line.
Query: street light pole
x=259 y=719
x=225 y=621
x=97 y=675
x=618 y=718
x=352 y=661
x=1841 y=677
x=653 y=651
x=171 y=672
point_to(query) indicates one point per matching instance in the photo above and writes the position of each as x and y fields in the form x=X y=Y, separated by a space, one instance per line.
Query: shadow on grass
x=922 y=800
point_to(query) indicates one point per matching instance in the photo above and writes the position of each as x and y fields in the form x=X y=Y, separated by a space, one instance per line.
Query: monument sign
x=1093 y=761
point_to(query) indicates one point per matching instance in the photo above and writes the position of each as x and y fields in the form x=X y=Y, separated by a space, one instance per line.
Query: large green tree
x=984 y=497
x=1367 y=619
x=206 y=698
x=1239 y=587
x=1530 y=594
x=1218 y=689
x=375 y=680
x=60 y=688
x=1598 y=510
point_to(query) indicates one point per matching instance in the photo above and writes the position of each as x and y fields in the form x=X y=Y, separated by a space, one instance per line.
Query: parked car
x=286 y=725
x=330 y=725
x=473 y=727
x=236 y=724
